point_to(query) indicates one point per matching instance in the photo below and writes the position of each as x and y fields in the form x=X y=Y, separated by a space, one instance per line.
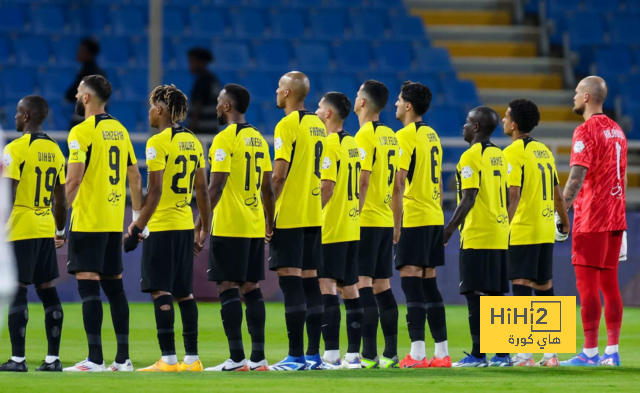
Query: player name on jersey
x=112 y=135
x=388 y=141
x=186 y=146
x=46 y=157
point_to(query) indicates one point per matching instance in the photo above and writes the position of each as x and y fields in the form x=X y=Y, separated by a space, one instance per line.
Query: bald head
x=486 y=118
x=595 y=86
x=36 y=107
x=297 y=83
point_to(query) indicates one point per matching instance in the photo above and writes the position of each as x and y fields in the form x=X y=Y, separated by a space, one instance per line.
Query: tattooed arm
x=574 y=184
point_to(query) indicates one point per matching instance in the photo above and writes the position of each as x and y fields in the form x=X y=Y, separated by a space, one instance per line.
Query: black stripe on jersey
x=522 y=180
x=179 y=130
x=375 y=125
x=527 y=140
x=486 y=145
x=459 y=186
x=129 y=163
x=242 y=126
x=21 y=168
x=40 y=135
x=374 y=157
x=86 y=163
x=293 y=153
x=412 y=166
x=304 y=113
x=103 y=116
x=419 y=124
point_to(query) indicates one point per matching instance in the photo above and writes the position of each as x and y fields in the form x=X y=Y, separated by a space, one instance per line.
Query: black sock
x=521 y=290
x=92 y=317
x=539 y=292
x=295 y=312
x=165 y=320
x=369 y=323
x=189 y=316
x=416 y=307
x=53 y=317
x=18 y=318
x=355 y=314
x=388 y=308
x=501 y=354
x=114 y=289
x=315 y=310
x=473 y=302
x=231 y=313
x=331 y=322
x=435 y=310
x=256 y=319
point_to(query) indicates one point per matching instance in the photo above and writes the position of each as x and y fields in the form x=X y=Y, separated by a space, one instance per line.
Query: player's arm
x=217 y=182
x=326 y=189
x=154 y=193
x=561 y=209
x=269 y=204
x=364 y=186
x=514 y=201
x=14 y=190
x=396 y=202
x=75 y=173
x=60 y=212
x=574 y=184
x=464 y=207
x=204 y=207
x=135 y=186
x=280 y=169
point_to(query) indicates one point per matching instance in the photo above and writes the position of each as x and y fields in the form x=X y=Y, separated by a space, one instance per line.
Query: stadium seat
x=248 y=24
x=369 y=25
x=47 y=20
x=265 y=3
x=271 y=117
x=262 y=86
x=287 y=24
x=17 y=83
x=586 y=29
x=31 y=51
x=87 y=20
x=134 y=85
x=127 y=115
x=64 y=51
x=227 y=77
x=393 y=56
x=173 y=24
x=313 y=56
x=429 y=80
x=207 y=23
x=436 y=60
x=390 y=81
x=11 y=19
x=407 y=27
x=446 y=121
x=128 y=21
x=179 y=51
x=7 y=116
x=633 y=6
x=562 y=6
x=273 y=55
x=54 y=83
x=613 y=61
x=388 y=118
x=609 y=6
x=385 y=4
x=353 y=56
x=306 y=3
x=253 y=116
x=114 y=52
x=343 y=83
x=624 y=30
x=327 y=24
x=182 y=80
x=5 y=51
x=231 y=56
x=461 y=93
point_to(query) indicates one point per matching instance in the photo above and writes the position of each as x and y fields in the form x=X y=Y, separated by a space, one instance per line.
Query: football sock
x=315 y=311
x=231 y=313
x=418 y=350
x=114 y=290
x=473 y=302
x=18 y=318
x=331 y=355
x=256 y=319
x=587 y=279
x=189 y=316
x=611 y=349
x=295 y=312
x=92 y=317
x=435 y=313
x=525 y=356
x=50 y=359
x=369 y=323
x=612 y=304
x=331 y=323
x=521 y=290
x=442 y=349
x=388 y=309
x=548 y=292
x=591 y=352
x=53 y=317
x=550 y=355
x=165 y=319
x=355 y=313
x=416 y=310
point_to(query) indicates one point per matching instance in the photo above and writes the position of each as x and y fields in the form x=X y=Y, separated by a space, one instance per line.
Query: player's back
x=421 y=156
x=600 y=146
x=531 y=166
x=483 y=166
x=241 y=151
x=179 y=153
x=38 y=163
x=300 y=139
x=102 y=143
x=342 y=165
x=379 y=153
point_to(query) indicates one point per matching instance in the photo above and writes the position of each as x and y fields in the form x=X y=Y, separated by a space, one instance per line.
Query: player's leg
x=612 y=301
x=256 y=316
x=330 y=321
x=353 y=307
x=367 y=258
x=522 y=267
x=475 y=358
x=311 y=260
x=543 y=286
x=231 y=314
x=387 y=305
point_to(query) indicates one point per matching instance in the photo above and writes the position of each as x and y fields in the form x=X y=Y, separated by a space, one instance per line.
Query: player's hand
x=396 y=236
x=268 y=233
x=562 y=232
x=60 y=240
x=448 y=232
x=196 y=241
x=129 y=230
x=199 y=245
x=130 y=242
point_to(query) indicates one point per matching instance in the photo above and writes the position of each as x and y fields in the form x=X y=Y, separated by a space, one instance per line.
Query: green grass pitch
x=213 y=350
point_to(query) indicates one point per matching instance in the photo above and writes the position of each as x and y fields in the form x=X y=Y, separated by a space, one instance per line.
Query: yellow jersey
x=484 y=167
x=531 y=167
x=104 y=146
x=242 y=152
x=178 y=153
x=35 y=160
x=379 y=153
x=299 y=139
x=421 y=156
x=342 y=165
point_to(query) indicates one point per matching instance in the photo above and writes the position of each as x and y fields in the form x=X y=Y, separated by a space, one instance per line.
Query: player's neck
x=91 y=111
x=480 y=139
x=164 y=124
x=293 y=107
x=365 y=117
x=233 y=118
x=408 y=119
x=588 y=112
x=519 y=135
x=32 y=130
x=333 y=128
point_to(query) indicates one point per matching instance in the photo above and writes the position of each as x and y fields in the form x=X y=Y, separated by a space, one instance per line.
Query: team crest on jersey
x=220 y=155
x=578 y=147
x=6 y=160
x=151 y=153
x=326 y=164
x=466 y=172
x=509 y=168
x=399 y=152
x=74 y=145
x=277 y=144
x=363 y=154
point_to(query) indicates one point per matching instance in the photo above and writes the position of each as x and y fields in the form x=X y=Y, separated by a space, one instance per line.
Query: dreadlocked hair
x=173 y=98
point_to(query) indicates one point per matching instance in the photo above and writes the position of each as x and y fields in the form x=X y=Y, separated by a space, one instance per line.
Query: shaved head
x=592 y=91
x=486 y=118
x=36 y=107
x=298 y=83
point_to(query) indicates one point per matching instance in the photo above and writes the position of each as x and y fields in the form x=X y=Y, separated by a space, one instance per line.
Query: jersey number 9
x=49 y=182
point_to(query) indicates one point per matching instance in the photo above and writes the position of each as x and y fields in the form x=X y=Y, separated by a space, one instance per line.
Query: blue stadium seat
x=17 y=83
x=133 y=86
x=633 y=6
x=613 y=61
x=287 y=24
x=407 y=27
x=429 y=80
x=452 y=154
x=262 y=86
x=47 y=20
x=59 y=119
x=369 y=25
x=388 y=118
x=393 y=56
x=227 y=77
x=7 y=116
x=327 y=24
x=182 y=80
x=231 y=56
x=446 y=121
x=624 y=30
x=54 y=83
x=586 y=29
x=173 y=21
x=128 y=21
x=609 y=6
x=248 y=24
x=271 y=116
x=306 y=3
x=5 y=51
x=114 y=52
x=31 y=51
x=87 y=20
x=11 y=19
x=389 y=80
x=253 y=116
x=207 y=23
x=557 y=6
x=629 y=89
x=265 y=3
x=179 y=51
x=436 y=60
x=127 y=115
x=64 y=51
x=386 y=4
x=353 y=56
x=351 y=124
x=313 y=56
x=461 y=93
x=343 y=83
x=273 y=55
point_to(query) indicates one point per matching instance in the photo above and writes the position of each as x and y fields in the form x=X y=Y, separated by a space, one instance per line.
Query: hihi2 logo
x=523 y=324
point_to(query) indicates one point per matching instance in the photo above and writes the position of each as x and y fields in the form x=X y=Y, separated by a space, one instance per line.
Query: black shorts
x=340 y=262
x=236 y=259
x=531 y=261
x=36 y=260
x=296 y=247
x=483 y=271
x=95 y=252
x=167 y=262
x=375 y=255
x=420 y=246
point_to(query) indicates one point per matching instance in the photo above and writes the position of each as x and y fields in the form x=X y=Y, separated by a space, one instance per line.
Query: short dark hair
x=339 y=102
x=91 y=44
x=240 y=96
x=100 y=85
x=525 y=114
x=201 y=54
x=377 y=92
x=418 y=95
x=37 y=108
